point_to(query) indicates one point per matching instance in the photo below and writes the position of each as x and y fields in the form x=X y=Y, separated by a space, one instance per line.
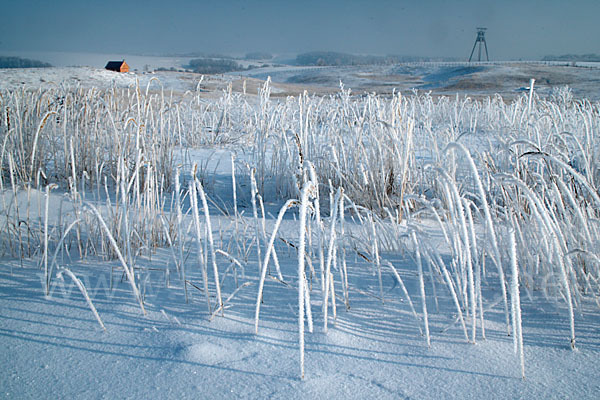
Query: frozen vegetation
x=312 y=246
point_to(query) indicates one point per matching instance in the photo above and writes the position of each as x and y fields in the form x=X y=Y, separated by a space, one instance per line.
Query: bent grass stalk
x=58 y=247
x=406 y=295
x=413 y=236
x=200 y=252
x=541 y=213
x=288 y=204
x=211 y=244
x=129 y=272
x=84 y=293
x=488 y=223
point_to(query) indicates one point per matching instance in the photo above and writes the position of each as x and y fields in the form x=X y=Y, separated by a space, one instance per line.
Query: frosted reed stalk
x=541 y=213
x=516 y=300
x=413 y=236
x=343 y=248
x=263 y=272
x=128 y=271
x=330 y=256
x=235 y=209
x=181 y=263
x=406 y=295
x=200 y=252
x=264 y=236
x=321 y=228
x=306 y=191
x=35 y=140
x=254 y=191
x=46 y=208
x=489 y=225
x=530 y=100
x=211 y=243
x=309 y=318
x=375 y=247
x=450 y=284
x=85 y=294
x=470 y=273
x=58 y=247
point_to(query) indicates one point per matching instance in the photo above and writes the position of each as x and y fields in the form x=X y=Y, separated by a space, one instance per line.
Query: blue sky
x=516 y=29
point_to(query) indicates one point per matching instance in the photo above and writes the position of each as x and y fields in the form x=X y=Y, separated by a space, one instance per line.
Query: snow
x=88 y=77
x=473 y=79
x=52 y=347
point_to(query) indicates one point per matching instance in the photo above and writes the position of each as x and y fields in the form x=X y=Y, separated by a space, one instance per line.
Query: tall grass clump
x=112 y=174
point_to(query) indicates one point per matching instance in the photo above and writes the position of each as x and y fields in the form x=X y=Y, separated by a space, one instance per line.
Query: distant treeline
x=332 y=58
x=18 y=62
x=199 y=54
x=574 y=57
x=213 y=66
x=216 y=66
x=255 y=55
x=258 y=55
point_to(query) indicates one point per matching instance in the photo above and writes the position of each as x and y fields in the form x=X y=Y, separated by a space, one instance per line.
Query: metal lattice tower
x=481 y=40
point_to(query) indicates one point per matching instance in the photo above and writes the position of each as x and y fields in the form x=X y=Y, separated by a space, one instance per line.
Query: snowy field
x=200 y=237
x=508 y=79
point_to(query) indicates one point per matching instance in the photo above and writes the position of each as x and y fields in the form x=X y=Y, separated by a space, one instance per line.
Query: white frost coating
x=211 y=244
x=288 y=204
x=254 y=192
x=330 y=256
x=308 y=309
x=450 y=284
x=469 y=243
x=344 y=269
x=234 y=193
x=85 y=294
x=375 y=247
x=35 y=139
x=478 y=294
x=575 y=174
x=530 y=101
x=129 y=272
x=306 y=191
x=181 y=263
x=406 y=295
x=200 y=252
x=321 y=228
x=46 y=207
x=465 y=253
x=540 y=212
x=413 y=236
x=58 y=247
x=488 y=222
x=516 y=300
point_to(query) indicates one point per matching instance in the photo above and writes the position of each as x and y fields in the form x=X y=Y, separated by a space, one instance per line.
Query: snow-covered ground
x=506 y=78
x=88 y=77
x=473 y=79
x=53 y=347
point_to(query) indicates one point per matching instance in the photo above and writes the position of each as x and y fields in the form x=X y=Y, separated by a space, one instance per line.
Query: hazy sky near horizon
x=516 y=29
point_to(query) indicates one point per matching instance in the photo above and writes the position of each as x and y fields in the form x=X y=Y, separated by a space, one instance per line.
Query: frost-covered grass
x=485 y=200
